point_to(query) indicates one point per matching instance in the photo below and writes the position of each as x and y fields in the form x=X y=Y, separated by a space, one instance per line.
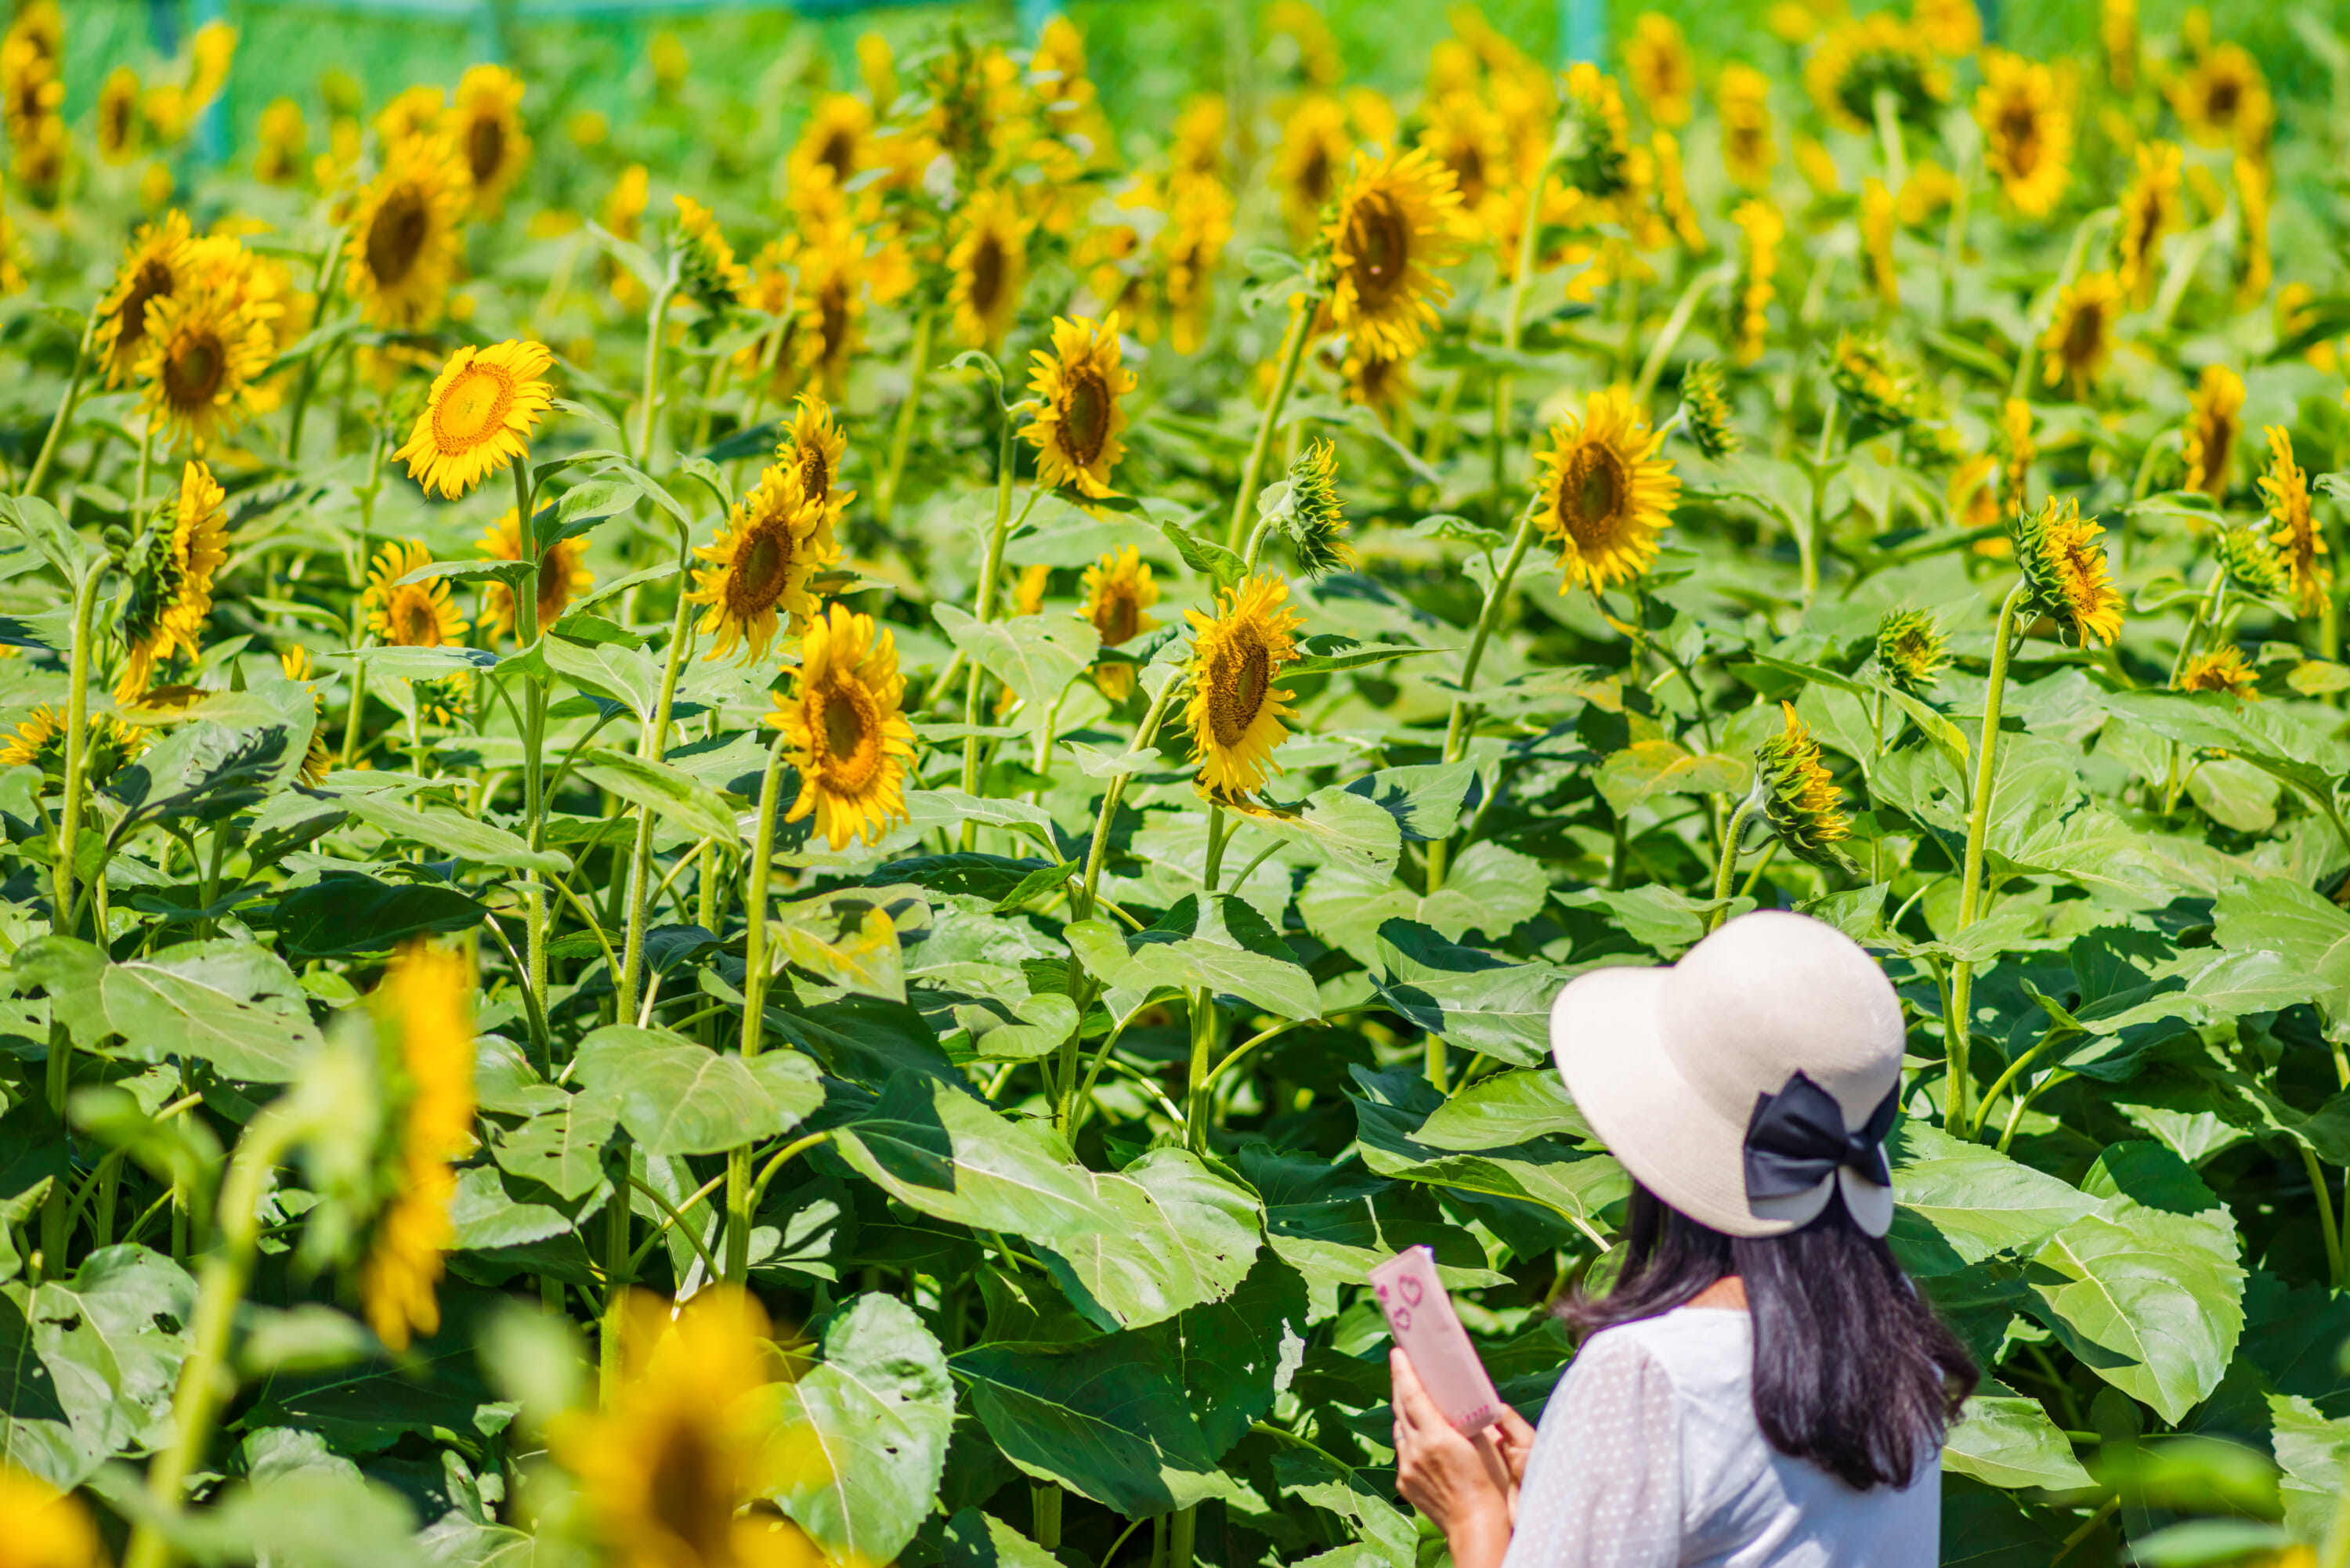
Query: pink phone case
x=1421 y=1317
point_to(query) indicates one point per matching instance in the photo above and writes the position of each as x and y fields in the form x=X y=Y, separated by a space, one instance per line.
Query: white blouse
x=1649 y=1457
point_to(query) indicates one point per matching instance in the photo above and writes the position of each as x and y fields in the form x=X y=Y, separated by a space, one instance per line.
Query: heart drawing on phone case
x=1410 y=1288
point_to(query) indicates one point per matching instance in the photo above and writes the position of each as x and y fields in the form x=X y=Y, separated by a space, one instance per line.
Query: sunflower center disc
x=832 y=309
x=1120 y=614
x=155 y=279
x=1382 y=245
x=2021 y=128
x=986 y=275
x=1242 y=695
x=1086 y=424
x=763 y=565
x=486 y=146
x=193 y=376
x=850 y=746
x=2087 y=330
x=553 y=586
x=473 y=410
x=413 y=622
x=687 y=1495
x=815 y=476
x=1593 y=496
x=839 y=156
x=396 y=238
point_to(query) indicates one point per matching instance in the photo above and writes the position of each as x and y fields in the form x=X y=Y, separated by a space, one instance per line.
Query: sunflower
x=1391 y=228
x=1315 y=143
x=404 y=246
x=1817 y=165
x=623 y=217
x=1878 y=392
x=155 y=265
x=1972 y=494
x=480 y=416
x=833 y=147
x=2079 y=338
x=1800 y=799
x=1954 y=27
x=118 y=116
x=425 y=1001
x=1462 y=133
x=294 y=661
x=1603 y=494
x=707 y=270
x=1877 y=225
x=204 y=348
x=811 y=451
x=1375 y=380
x=2215 y=420
x=2118 y=31
x=211 y=52
x=989 y=266
x=1672 y=194
x=1191 y=247
x=562 y=577
x=1877 y=53
x=445 y=701
x=843 y=726
x=2255 y=266
x=1075 y=427
x=1313 y=521
x=2065 y=572
x=774 y=541
x=40 y=742
x=2027 y=131
x=2297 y=534
x=693 y=1433
x=284 y=140
x=484 y=122
x=1235 y=712
x=2149 y=211
x=2222 y=669
x=1706 y=414
x=1743 y=100
x=168 y=595
x=2021 y=451
x=1760 y=230
x=45 y=1528
x=1657 y=59
x=2222 y=100
x=1028 y=595
x=1118 y=591
x=2252 y=563
x=1911 y=650
x=410 y=615
x=1594 y=134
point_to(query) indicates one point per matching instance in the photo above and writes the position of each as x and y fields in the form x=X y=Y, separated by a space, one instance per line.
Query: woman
x=1764 y=1387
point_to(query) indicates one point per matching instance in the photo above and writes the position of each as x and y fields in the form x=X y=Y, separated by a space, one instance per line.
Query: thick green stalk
x=657 y=322
x=1293 y=354
x=534 y=768
x=63 y=416
x=991 y=568
x=902 y=438
x=1726 y=869
x=619 y=1267
x=1183 y=1531
x=754 y=996
x=652 y=742
x=1677 y=323
x=1456 y=731
x=330 y=271
x=77 y=740
x=206 y=1379
x=1956 y=1032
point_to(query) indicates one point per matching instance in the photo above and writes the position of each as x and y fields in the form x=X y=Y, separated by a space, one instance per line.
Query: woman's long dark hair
x=1852 y=1370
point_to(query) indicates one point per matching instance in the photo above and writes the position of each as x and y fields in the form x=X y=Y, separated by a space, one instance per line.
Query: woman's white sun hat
x=1745 y=1083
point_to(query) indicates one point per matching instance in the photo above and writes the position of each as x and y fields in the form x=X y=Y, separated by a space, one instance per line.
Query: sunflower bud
x=1313 y=520
x=2252 y=563
x=1799 y=798
x=1706 y=413
x=1877 y=392
x=1911 y=650
x=2222 y=669
x=707 y=271
x=2063 y=555
x=1592 y=145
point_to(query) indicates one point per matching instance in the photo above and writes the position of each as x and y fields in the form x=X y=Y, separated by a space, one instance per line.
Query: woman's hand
x=1467 y=1486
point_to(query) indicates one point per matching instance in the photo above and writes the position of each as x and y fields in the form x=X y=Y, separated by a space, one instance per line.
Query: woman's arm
x=1466 y=1485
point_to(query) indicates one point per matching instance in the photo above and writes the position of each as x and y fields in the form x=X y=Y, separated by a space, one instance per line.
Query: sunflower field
x=771 y=831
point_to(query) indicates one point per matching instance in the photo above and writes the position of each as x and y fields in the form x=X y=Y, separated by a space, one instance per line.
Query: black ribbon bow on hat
x=1796 y=1139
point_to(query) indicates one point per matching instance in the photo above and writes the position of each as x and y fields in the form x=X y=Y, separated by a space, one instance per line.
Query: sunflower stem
x=330 y=272
x=1955 y=1030
x=63 y=416
x=651 y=743
x=739 y=1190
x=76 y=744
x=656 y=324
x=620 y=1268
x=534 y=768
x=1726 y=867
x=991 y=568
x=1082 y=908
x=1293 y=354
x=1205 y=1031
x=1456 y=732
x=146 y=453
x=205 y=1378
x=902 y=436
x=1684 y=312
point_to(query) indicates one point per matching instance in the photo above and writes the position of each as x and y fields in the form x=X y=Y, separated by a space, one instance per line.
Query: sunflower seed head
x=1706 y=413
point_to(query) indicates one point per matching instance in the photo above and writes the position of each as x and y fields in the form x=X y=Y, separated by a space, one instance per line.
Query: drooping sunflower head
x=707 y=273
x=1391 y=230
x=445 y=701
x=691 y=1434
x=2079 y=338
x=1742 y=101
x=988 y=268
x=844 y=729
x=1877 y=53
x=480 y=416
x=2295 y=534
x=1878 y=219
x=774 y=542
x=1707 y=418
x=1878 y=390
x=1911 y=650
x=2027 y=131
x=410 y=615
x=832 y=147
x=404 y=230
x=2222 y=100
x=1761 y=227
x=1235 y=712
x=2215 y=422
x=1312 y=518
x=39 y=742
x=2253 y=563
x=118 y=116
x=485 y=121
x=1657 y=58
x=1800 y=797
x=1077 y=421
x=294 y=661
x=812 y=451
x=155 y=265
x=167 y=594
x=2149 y=211
x=424 y=1026
x=1595 y=138
x=2065 y=572
x=2222 y=669
x=46 y=1528
x=206 y=348
x=1603 y=493
x=563 y=576
x=1119 y=593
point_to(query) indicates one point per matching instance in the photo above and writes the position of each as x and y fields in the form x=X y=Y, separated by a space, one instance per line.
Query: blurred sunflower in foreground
x=425 y=1022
